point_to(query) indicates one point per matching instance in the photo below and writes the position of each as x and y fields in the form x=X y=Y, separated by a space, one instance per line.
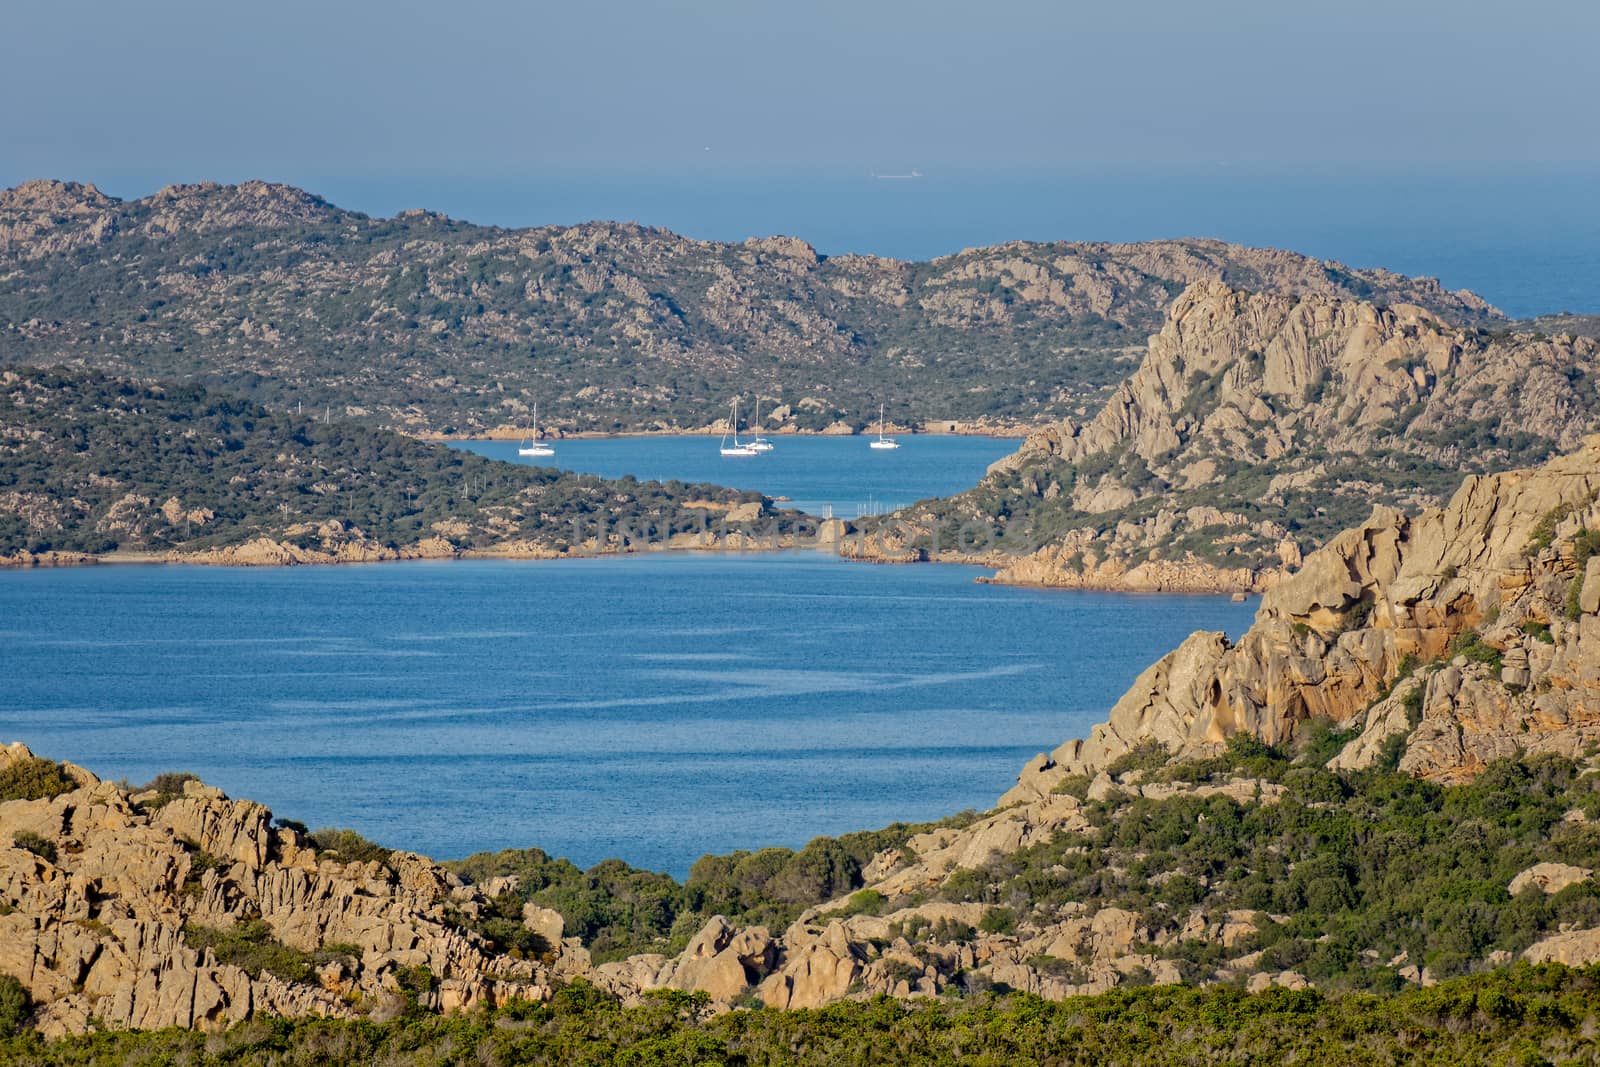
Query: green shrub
x=1148 y=754
x=998 y=921
x=1544 y=531
x=32 y=842
x=1539 y=631
x=1476 y=649
x=250 y=946
x=1584 y=545
x=863 y=902
x=34 y=779
x=500 y=924
x=348 y=846
x=1075 y=785
x=15 y=1009
x=902 y=971
x=1412 y=702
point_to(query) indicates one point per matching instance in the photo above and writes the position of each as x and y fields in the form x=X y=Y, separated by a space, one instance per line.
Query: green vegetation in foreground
x=1523 y=1015
x=618 y=910
x=88 y=462
x=1366 y=871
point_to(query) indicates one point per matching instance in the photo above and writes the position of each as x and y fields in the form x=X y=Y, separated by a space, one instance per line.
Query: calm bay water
x=813 y=472
x=653 y=708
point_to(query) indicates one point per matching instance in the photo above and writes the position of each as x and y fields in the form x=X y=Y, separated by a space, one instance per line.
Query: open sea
x=653 y=708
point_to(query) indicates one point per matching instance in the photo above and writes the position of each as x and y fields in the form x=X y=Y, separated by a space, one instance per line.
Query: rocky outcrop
x=102 y=910
x=1258 y=425
x=1548 y=878
x=101 y=894
x=1479 y=604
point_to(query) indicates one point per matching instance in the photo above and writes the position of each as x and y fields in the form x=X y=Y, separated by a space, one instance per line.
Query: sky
x=1039 y=119
x=499 y=88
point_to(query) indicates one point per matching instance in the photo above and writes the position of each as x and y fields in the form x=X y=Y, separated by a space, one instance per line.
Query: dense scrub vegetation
x=250 y=946
x=618 y=910
x=34 y=779
x=95 y=464
x=1526 y=1015
x=429 y=322
x=1363 y=872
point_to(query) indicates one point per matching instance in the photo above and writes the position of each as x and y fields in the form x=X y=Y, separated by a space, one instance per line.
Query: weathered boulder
x=1549 y=878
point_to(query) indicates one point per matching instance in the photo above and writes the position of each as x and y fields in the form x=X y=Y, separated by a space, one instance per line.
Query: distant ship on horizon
x=896 y=177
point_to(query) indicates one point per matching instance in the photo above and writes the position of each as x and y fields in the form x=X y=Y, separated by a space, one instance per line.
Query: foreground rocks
x=94 y=926
x=103 y=891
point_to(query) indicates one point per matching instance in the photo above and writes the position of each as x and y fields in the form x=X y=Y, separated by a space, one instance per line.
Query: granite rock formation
x=1256 y=427
x=1471 y=629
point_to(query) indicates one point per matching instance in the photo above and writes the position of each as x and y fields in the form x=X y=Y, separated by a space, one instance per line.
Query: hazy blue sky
x=1460 y=139
x=497 y=88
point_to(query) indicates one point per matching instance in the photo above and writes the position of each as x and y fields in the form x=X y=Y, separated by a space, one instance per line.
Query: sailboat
x=759 y=443
x=736 y=449
x=882 y=441
x=532 y=446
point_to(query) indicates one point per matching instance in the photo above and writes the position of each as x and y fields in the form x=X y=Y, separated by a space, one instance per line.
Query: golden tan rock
x=1332 y=638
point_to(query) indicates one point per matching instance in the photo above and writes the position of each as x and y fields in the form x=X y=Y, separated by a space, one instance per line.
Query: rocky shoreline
x=934 y=428
x=265 y=552
x=835 y=536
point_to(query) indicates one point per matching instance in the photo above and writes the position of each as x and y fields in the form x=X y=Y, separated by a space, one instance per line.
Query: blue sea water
x=814 y=473
x=654 y=708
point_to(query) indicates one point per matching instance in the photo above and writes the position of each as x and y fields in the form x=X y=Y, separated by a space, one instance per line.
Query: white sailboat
x=882 y=441
x=759 y=443
x=736 y=448
x=532 y=446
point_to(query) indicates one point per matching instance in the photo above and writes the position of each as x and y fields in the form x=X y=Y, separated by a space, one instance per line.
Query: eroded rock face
x=97 y=932
x=1251 y=412
x=1397 y=591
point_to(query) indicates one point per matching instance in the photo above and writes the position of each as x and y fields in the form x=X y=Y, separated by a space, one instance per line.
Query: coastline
x=262 y=552
x=937 y=429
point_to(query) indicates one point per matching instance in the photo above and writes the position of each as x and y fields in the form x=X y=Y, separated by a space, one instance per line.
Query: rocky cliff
x=105 y=894
x=440 y=326
x=1257 y=426
x=1470 y=631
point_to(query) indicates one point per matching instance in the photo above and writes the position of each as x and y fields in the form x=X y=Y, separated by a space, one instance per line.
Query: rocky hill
x=1462 y=635
x=1256 y=427
x=1391 y=779
x=93 y=465
x=438 y=326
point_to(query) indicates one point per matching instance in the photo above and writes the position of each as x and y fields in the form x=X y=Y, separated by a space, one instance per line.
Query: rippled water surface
x=653 y=708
